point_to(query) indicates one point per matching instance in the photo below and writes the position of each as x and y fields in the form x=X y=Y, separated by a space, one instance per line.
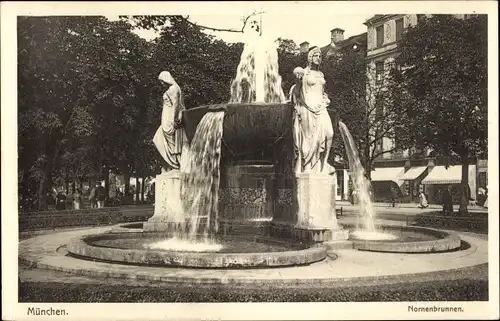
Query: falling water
x=200 y=177
x=361 y=184
x=366 y=231
x=257 y=78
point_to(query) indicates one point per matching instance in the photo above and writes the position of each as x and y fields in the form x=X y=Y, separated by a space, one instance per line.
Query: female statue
x=170 y=135
x=313 y=130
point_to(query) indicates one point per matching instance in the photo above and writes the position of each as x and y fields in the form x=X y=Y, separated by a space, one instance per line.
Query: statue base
x=316 y=218
x=168 y=211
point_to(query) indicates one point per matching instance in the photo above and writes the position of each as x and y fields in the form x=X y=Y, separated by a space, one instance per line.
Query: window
x=380 y=35
x=379 y=71
x=399 y=28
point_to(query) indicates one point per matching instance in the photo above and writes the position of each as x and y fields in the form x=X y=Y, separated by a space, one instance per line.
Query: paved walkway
x=413 y=206
x=47 y=252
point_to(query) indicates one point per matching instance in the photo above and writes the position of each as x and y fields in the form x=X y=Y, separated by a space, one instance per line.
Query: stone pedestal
x=315 y=197
x=246 y=192
x=168 y=207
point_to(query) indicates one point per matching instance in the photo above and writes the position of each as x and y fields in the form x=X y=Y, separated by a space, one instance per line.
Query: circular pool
x=161 y=250
x=405 y=239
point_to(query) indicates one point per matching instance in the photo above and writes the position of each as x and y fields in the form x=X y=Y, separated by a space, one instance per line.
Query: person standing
x=77 y=199
x=92 y=196
x=101 y=196
x=354 y=197
x=394 y=196
x=60 y=201
x=485 y=204
x=447 y=201
x=422 y=203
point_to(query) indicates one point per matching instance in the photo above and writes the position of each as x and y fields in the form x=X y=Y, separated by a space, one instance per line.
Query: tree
x=361 y=98
x=49 y=91
x=84 y=88
x=288 y=58
x=442 y=87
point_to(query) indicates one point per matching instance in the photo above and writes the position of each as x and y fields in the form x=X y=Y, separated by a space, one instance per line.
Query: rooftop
x=359 y=39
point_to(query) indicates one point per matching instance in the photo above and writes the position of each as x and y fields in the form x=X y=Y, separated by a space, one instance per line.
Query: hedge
x=456 y=290
x=476 y=223
x=74 y=218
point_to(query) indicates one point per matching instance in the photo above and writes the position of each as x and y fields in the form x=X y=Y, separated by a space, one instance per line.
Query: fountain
x=236 y=172
x=247 y=190
x=243 y=188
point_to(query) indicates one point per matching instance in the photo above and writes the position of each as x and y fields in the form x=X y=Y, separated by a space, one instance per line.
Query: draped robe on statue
x=313 y=130
x=169 y=140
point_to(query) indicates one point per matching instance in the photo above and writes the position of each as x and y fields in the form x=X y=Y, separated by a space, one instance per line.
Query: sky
x=313 y=28
x=296 y=20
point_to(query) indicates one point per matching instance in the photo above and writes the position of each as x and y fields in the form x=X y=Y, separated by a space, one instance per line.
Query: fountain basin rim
x=133 y=233
x=445 y=241
x=78 y=247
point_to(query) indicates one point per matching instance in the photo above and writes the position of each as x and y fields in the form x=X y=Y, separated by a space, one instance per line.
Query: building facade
x=411 y=172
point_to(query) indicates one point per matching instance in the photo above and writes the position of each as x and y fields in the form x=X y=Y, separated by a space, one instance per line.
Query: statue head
x=166 y=78
x=314 y=56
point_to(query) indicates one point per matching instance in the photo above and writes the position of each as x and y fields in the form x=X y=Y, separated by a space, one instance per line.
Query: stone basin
x=238 y=251
x=410 y=239
x=250 y=131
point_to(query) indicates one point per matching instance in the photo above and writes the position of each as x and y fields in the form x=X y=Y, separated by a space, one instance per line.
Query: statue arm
x=167 y=117
x=325 y=95
x=326 y=99
x=178 y=107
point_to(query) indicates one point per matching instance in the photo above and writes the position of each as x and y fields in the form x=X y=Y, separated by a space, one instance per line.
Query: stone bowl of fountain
x=248 y=128
x=159 y=249
x=403 y=239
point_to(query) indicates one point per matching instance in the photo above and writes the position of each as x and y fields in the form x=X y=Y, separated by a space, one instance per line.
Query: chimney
x=304 y=47
x=336 y=35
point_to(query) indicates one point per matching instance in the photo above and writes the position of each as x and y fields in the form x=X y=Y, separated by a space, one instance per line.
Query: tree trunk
x=42 y=191
x=126 y=177
x=142 y=187
x=106 y=181
x=464 y=190
x=137 y=189
x=66 y=184
x=366 y=162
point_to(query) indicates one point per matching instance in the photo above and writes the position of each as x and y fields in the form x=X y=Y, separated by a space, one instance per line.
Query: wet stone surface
x=239 y=246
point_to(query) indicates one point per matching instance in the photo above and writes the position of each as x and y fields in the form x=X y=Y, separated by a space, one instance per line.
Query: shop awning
x=413 y=173
x=441 y=175
x=387 y=174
